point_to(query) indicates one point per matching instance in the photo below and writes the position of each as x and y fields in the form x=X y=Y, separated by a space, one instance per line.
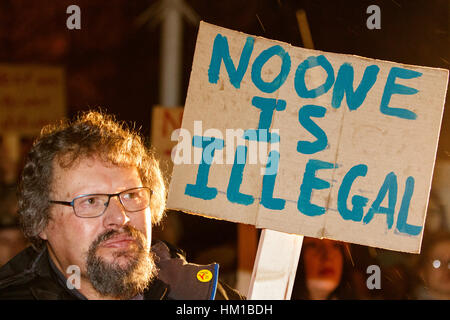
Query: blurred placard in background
x=31 y=96
x=164 y=121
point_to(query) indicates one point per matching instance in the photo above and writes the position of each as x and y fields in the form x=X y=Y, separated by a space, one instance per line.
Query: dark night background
x=114 y=64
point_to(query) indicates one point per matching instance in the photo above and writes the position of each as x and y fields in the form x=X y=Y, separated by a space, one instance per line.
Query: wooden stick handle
x=275 y=266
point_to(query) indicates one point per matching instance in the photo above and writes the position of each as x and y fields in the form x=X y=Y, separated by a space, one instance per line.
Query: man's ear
x=49 y=225
x=43 y=234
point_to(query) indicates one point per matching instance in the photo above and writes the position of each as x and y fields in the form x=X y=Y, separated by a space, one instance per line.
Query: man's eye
x=90 y=201
x=127 y=195
x=130 y=195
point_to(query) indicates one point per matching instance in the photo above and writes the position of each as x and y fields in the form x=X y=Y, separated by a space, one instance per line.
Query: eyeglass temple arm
x=66 y=203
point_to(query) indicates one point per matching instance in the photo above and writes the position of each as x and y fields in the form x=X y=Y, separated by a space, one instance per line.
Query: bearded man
x=89 y=194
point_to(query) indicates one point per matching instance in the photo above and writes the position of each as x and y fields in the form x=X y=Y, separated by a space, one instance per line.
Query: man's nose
x=115 y=215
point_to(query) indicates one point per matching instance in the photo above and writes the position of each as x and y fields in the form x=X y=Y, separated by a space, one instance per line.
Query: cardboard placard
x=308 y=142
x=31 y=96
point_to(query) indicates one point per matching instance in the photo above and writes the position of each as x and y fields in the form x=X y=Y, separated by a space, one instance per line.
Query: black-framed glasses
x=94 y=205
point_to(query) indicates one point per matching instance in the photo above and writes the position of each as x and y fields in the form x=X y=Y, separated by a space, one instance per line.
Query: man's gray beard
x=111 y=279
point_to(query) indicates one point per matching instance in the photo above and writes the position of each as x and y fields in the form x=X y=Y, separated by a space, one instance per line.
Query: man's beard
x=122 y=282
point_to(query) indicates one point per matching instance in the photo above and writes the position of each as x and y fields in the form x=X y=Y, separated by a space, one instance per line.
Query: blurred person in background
x=399 y=269
x=433 y=267
x=325 y=272
x=436 y=220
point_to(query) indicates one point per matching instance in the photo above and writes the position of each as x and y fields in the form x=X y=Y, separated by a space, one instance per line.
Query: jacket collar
x=185 y=281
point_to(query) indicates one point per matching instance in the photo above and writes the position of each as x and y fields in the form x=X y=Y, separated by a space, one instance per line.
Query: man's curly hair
x=91 y=134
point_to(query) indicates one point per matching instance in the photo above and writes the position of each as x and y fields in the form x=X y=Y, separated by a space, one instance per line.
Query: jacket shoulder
x=18 y=269
x=25 y=277
x=33 y=289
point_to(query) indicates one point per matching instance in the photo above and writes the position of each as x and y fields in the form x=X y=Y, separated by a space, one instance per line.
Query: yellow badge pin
x=204 y=275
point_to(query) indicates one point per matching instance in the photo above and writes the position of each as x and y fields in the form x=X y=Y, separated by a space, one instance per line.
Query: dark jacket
x=30 y=275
